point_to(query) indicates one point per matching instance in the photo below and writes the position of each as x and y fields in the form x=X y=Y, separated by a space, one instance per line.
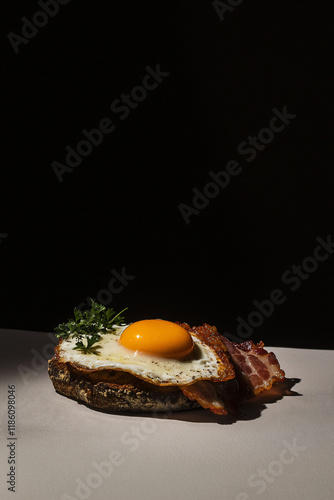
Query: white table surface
x=283 y=448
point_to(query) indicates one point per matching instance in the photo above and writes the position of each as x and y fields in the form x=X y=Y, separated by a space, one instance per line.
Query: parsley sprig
x=89 y=325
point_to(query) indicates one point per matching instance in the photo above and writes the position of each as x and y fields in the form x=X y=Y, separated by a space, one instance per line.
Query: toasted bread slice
x=116 y=391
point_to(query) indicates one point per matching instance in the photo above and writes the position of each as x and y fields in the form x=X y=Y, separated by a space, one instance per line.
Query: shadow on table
x=250 y=409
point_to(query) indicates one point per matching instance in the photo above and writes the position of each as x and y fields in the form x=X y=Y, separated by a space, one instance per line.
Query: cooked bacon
x=219 y=397
x=256 y=369
x=204 y=392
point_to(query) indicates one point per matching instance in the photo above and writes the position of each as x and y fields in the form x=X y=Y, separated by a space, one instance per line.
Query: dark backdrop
x=138 y=213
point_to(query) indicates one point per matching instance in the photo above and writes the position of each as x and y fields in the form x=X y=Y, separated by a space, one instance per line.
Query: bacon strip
x=256 y=369
x=252 y=371
x=219 y=397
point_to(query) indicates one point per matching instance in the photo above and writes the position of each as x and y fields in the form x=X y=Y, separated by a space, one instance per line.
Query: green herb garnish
x=89 y=325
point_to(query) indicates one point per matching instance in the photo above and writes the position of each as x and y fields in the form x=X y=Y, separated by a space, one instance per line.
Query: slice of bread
x=115 y=391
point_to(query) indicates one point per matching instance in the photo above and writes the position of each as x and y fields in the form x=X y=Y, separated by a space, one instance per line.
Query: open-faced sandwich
x=156 y=365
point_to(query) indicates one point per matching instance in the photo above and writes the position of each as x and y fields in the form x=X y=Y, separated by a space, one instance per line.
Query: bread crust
x=113 y=391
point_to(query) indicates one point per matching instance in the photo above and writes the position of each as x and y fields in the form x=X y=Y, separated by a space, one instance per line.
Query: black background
x=120 y=207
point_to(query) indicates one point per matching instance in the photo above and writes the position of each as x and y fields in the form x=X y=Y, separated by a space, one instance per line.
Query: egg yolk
x=158 y=337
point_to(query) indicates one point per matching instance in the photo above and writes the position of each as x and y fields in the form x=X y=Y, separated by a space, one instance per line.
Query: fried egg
x=155 y=350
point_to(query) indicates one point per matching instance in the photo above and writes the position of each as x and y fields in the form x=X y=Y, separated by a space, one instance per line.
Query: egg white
x=202 y=363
